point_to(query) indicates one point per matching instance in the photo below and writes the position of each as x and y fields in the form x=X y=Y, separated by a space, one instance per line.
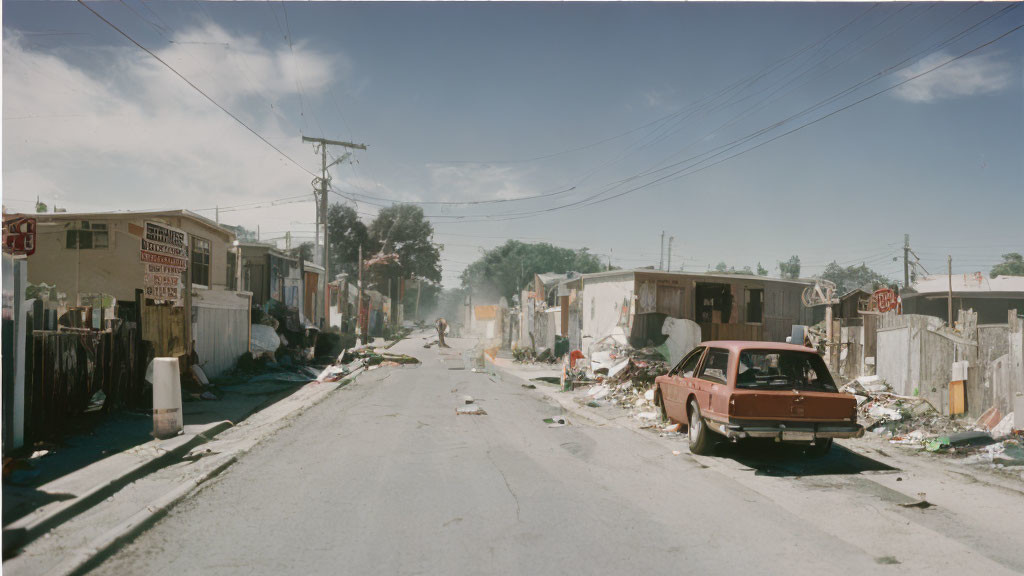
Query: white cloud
x=969 y=76
x=120 y=131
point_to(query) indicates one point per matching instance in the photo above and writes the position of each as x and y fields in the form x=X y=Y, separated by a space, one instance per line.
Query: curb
x=33 y=525
x=89 y=557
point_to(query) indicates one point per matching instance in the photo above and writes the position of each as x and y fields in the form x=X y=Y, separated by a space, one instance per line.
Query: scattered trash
x=648 y=416
x=1004 y=428
x=38 y=454
x=467 y=399
x=209 y=396
x=556 y=422
x=96 y=402
x=918 y=504
x=530 y=386
x=673 y=428
x=471 y=410
x=593 y=404
x=990 y=419
x=676 y=452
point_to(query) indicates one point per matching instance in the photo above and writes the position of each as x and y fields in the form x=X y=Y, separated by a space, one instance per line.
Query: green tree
x=852 y=277
x=303 y=251
x=722 y=267
x=761 y=270
x=1012 y=265
x=790 y=268
x=503 y=270
x=346 y=233
x=40 y=207
x=402 y=229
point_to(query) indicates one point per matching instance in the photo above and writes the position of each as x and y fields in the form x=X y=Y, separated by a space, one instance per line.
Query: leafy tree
x=403 y=230
x=40 y=207
x=346 y=233
x=241 y=233
x=790 y=268
x=761 y=270
x=303 y=251
x=505 y=269
x=1012 y=265
x=723 y=268
x=852 y=277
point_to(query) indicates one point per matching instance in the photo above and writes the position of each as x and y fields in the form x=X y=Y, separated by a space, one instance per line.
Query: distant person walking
x=442 y=328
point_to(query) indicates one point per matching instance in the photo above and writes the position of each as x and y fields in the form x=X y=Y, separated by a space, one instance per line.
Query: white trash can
x=167 y=417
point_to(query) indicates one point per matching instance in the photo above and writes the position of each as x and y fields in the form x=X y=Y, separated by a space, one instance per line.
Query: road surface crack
x=507 y=485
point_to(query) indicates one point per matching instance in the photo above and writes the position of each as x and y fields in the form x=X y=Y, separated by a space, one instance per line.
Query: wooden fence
x=69 y=366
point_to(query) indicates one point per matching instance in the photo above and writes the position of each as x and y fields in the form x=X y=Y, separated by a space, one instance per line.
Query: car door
x=712 y=383
x=677 y=387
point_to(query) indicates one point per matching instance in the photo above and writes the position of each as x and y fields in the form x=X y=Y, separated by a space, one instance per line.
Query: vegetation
x=1012 y=265
x=790 y=268
x=852 y=277
x=502 y=271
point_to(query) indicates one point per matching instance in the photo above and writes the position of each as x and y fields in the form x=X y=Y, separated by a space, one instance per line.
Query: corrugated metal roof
x=977 y=283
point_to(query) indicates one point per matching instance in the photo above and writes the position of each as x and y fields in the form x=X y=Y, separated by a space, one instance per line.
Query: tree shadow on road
x=769 y=458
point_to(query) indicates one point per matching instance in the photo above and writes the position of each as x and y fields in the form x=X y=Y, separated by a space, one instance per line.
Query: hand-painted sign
x=20 y=236
x=885 y=299
x=165 y=254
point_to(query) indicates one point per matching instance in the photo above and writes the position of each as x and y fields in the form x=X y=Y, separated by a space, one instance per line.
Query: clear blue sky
x=461 y=102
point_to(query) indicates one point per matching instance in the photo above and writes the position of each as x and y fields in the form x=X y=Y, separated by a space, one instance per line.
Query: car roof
x=736 y=345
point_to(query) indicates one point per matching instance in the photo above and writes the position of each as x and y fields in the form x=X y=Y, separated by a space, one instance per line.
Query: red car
x=757 y=390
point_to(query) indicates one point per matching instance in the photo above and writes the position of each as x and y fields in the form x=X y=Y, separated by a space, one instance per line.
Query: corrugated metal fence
x=221 y=329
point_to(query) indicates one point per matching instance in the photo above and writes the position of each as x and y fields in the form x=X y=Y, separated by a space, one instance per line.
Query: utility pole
x=216 y=217
x=288 y=240
x=324 y=182
x=419 y=287
x=906 y=261
x=949 y=262
x=668 y=264
x=359 y=301
x=661 y=255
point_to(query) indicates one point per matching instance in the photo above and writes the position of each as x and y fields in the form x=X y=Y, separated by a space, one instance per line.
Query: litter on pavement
x=470 y=410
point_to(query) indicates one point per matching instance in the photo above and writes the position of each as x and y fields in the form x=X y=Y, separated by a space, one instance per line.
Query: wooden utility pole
x=324 y=182
x=668 y=264
x=661 y=255
x=359 y=301
x=419 y=287
x=949 y=262
x=906 y=261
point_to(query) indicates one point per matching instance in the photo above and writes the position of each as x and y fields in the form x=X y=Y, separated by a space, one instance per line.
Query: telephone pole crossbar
x=323 y=143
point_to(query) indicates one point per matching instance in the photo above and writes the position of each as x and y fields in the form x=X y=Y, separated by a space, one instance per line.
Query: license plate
x=798 y=436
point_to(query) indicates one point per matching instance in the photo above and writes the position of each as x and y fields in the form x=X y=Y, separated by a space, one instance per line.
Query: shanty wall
x=1003 y=373
x=603 y=300
x=912 y=356
x=222 y=329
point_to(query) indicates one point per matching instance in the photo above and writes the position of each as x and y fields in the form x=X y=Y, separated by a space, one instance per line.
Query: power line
x=196 y=88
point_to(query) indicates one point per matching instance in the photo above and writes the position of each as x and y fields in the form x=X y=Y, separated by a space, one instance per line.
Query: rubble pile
x=371 y=356
x=914 y=422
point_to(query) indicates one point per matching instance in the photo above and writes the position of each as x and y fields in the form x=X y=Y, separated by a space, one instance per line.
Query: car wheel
x=820 y=448
x=698 y=432
x=659 y=401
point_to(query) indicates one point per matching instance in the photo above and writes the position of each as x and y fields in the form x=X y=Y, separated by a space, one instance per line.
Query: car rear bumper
x=787 y=431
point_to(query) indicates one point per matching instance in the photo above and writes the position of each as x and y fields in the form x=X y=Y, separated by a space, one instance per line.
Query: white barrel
x=167 y=417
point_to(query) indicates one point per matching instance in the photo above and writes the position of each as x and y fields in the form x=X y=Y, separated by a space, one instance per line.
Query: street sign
x=885 y=299
x=20 y=236
x=165 y=255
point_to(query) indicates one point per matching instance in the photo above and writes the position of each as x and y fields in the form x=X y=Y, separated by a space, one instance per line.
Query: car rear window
x=783 y=370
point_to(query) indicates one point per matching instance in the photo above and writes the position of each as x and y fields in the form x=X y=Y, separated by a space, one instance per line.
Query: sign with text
x=20 y=236
x=165 y=255
x=885 y=299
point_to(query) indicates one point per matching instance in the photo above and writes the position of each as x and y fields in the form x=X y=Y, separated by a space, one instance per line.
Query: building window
x=200 y=261
x=86 y=236
x=755 y=305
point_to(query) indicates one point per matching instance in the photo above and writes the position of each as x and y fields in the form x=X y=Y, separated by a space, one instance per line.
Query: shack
x=636 y=303
x=990 y=298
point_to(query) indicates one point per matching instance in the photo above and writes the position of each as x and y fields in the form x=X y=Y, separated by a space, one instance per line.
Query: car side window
x=716 y=366
x=688 y=365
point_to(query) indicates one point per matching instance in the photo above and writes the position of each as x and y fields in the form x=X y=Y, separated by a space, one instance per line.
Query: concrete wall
x=117 y=269
x=221 y=328
x=1003 y=373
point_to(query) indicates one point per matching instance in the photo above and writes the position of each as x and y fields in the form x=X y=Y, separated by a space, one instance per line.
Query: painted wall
x=117 y=269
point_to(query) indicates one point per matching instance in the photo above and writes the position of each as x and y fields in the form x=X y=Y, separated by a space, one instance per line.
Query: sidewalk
x=104 y=435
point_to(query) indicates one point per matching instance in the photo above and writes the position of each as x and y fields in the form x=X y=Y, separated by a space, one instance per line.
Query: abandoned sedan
x=757 y=390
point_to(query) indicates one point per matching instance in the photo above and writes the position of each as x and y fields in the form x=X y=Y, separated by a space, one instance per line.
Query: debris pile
x=914 y=422
x=371 y=356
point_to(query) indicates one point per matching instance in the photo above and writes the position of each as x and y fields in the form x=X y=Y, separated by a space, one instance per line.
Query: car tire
x=819 y=449
x=697 y=431
x=659 y=401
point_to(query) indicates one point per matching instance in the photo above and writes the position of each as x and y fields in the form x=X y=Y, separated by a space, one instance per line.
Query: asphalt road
x=384 y=478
